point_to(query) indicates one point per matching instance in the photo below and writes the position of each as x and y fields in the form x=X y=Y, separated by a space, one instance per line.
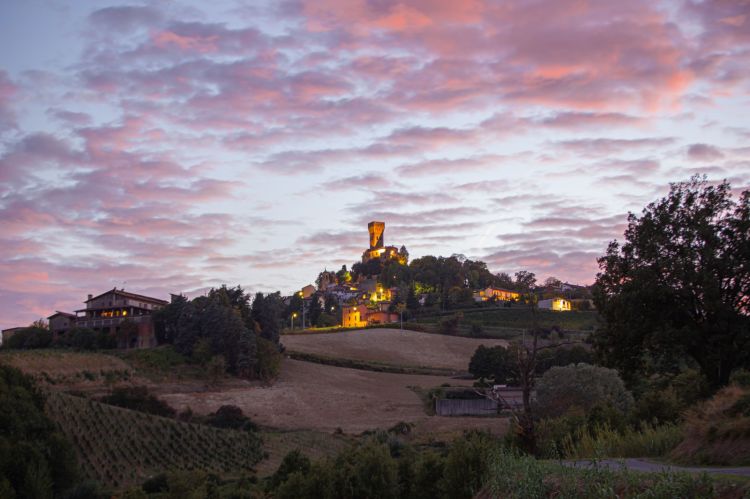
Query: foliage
x=449 y=325
x=267 y=314
x=230 y=416
x=465 y=468
x=29 y=338
x=139 y=399
x=493 y=363
x=216 y=368
x=118 y=447
x=581 y=387
x=293 y=462
x=740 y=377
x=518 y=476
x=717 y=431
x=678 y=285
x=269 y=360
x=562 y=356
x=86 y=339
x=35 y=460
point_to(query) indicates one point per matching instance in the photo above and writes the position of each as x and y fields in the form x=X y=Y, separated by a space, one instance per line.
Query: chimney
x=91 y=296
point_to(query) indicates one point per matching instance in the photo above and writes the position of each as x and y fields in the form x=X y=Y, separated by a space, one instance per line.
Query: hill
x=391 y=346
x=119 y=447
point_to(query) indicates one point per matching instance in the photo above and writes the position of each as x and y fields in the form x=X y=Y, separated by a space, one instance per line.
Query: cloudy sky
x=174 y=146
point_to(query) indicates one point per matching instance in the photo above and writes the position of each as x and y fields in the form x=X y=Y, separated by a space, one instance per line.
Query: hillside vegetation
x=119 y=447
x=510 y=322
x=718 y=430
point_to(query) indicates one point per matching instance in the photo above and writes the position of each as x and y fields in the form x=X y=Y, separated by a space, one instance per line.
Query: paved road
x=636 y=464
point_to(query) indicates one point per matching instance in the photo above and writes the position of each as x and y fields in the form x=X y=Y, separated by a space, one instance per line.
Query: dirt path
x=644 y=465
x=392 y=346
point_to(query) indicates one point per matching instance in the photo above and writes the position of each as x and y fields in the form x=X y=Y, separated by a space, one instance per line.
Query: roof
x=12 y=329
x=66 y=314
x=126 y=294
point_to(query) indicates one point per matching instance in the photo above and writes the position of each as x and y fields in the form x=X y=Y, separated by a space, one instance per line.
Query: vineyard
x=119 y=447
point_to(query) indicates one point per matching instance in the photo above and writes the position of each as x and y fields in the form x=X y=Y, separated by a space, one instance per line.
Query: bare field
x=318 y=397
x=392 y=346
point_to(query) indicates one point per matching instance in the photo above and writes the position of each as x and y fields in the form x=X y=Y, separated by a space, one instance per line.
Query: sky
x=174 y=146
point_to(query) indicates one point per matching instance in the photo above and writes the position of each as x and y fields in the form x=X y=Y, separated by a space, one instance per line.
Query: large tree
x=678 y=286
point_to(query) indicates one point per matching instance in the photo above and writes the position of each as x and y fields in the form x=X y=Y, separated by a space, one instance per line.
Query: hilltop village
x=383 y=287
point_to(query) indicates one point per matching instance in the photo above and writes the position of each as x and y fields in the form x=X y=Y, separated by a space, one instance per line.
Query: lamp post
x=291 y=319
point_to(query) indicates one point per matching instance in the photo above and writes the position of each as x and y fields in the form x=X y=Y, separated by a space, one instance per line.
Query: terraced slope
x=119 y=447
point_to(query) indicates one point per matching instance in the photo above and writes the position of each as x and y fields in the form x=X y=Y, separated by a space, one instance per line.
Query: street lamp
x=291 y=320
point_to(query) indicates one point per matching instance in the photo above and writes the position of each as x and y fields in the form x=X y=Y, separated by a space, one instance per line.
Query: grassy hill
x=120 y=447
x=506 y=323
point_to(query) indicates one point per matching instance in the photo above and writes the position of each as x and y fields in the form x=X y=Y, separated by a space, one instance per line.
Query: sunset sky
x=174 y=146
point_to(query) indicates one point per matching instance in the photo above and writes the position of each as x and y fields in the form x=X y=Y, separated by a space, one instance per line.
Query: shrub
x=740 y=377
x=269 y=359
x=466 y=465
x=231 y=416
x=29 y=338
x=139 y=399
x=293 y=462
x=449 y=325
x=581 y=386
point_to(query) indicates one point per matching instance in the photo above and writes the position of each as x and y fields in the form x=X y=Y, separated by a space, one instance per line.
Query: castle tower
x=376 y=230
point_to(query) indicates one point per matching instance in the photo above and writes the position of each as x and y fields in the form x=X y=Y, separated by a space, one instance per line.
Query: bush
x=449 y=325
x=138 y=398
x=231 y=416
x=466 y=465
x=269 y=359
x=29 y=338
x=581 y=387
x=740 y=377
x=293 y=462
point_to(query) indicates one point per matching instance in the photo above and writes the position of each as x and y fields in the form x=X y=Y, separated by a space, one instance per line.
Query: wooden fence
x=465 y=407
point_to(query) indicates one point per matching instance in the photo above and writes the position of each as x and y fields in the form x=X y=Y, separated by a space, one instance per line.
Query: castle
x=377 y=248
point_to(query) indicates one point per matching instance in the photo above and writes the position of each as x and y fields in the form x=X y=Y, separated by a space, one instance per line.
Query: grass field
x=119 y=447
x=509 y=322
x=66 y=367
x=393 y=347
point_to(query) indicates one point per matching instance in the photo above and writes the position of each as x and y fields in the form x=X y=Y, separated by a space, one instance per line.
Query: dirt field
x=392 y=346
x=317 y=397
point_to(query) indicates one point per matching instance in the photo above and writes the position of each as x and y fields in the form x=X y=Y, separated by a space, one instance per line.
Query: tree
x=267 y=313
x=679 y=286
x=315 y=310
x=581 y=386
x=412 y=303
x=493 y=363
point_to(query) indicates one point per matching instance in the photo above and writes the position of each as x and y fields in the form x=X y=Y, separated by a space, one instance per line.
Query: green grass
x=649 y=441
x=365 y=365
x=507 y=320
x=313 y=444
x=119 y=447
x=160 y=363
x=511 y=475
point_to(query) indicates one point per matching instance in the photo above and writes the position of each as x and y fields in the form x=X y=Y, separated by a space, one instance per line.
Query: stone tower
x=376 y=230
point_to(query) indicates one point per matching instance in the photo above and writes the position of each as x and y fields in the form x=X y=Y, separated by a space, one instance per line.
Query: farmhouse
x=107 y=312
x=492 y=293
x=556 y=304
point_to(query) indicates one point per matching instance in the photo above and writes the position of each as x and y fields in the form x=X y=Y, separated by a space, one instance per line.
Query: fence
x=465 y=407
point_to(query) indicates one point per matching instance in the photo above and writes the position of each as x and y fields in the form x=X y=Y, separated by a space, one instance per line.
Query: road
x=644 y=465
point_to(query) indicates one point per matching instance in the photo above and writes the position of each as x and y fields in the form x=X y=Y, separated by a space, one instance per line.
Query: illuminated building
x=556 y=304
x=378 y=249
x=108 y=311
x=500 y=294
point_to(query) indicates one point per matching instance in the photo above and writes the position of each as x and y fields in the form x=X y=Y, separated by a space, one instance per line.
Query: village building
x=307 y=291
x=499 y=294
x=6 y=334
x=555 y=304
x=107 y=312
